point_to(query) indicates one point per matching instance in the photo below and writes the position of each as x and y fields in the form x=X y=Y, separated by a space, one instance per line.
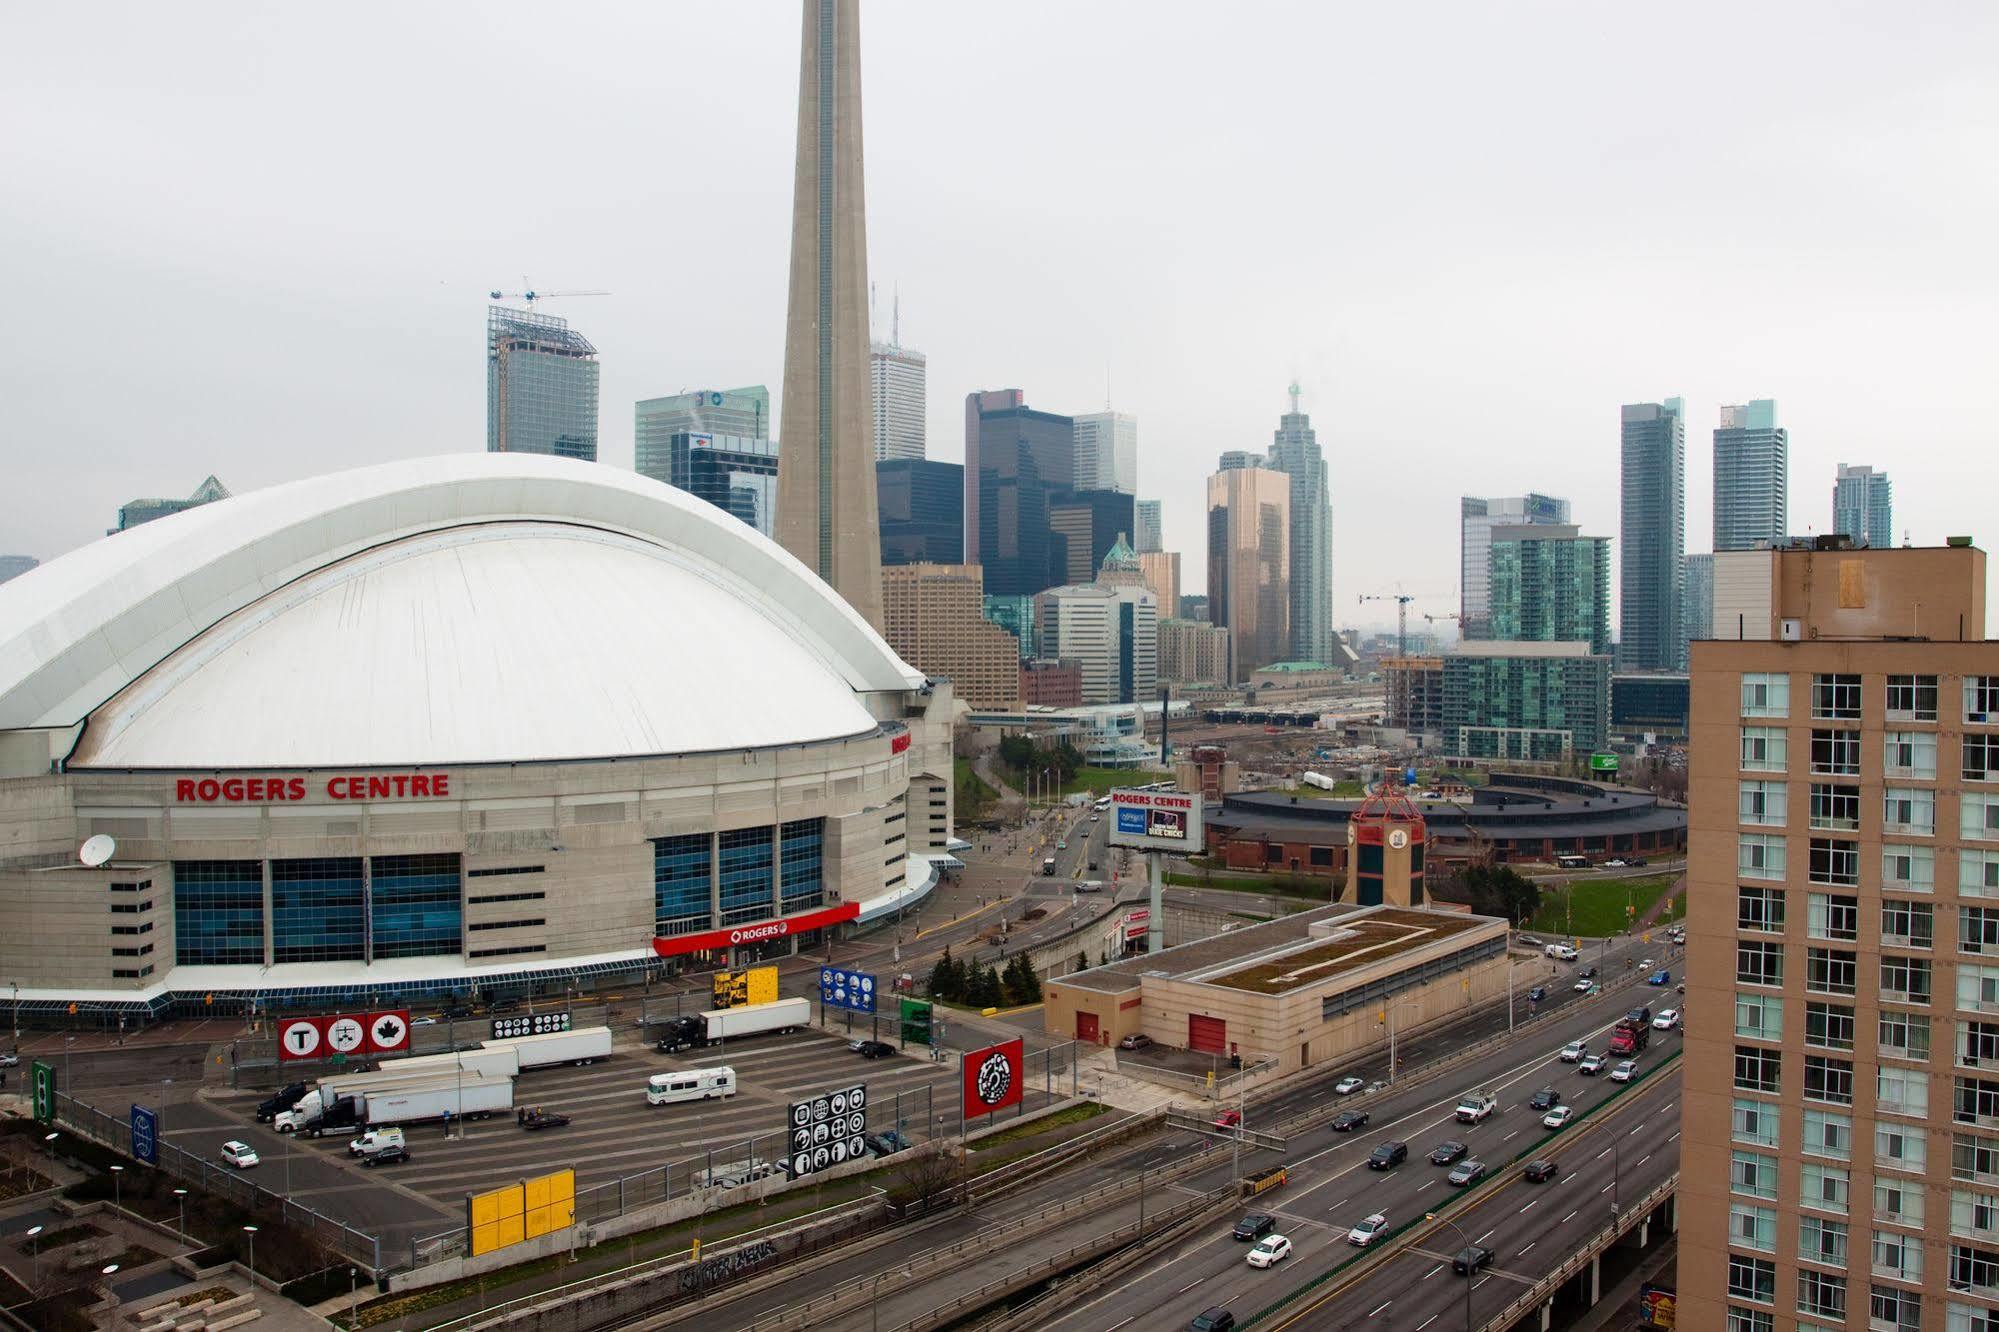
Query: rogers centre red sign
x=276 y=790
x=755 y=931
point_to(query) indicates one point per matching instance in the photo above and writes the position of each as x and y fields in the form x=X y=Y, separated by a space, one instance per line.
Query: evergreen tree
x=947 y=978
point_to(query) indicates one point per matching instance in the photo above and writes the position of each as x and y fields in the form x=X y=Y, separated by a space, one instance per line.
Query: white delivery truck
x=718 y=1024
x=494 y=1059
x=461 y=1098
x=585 y=1045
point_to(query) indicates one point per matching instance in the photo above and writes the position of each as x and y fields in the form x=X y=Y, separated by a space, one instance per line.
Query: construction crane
x=1401 y=600
x=530 y=295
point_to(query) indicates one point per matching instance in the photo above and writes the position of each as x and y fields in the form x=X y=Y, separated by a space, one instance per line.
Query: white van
x=696 y=1084
x=1561 y=951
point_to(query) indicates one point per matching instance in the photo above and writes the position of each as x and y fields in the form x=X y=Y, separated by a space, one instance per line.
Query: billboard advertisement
x=1157 y=821
x=733 y=989
x=1137 y=922
x=519 y=1212
x=344 y=1036
x=826 y=1130
x=851 y=990
x=530 y=1024
x=145 y=1135
x=1657 y=1307
x=993 y=1077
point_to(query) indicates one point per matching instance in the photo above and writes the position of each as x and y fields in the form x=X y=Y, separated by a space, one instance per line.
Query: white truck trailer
x=719 y=1024
x=585 y=1045
x=493 y=1058
x=462 y=1098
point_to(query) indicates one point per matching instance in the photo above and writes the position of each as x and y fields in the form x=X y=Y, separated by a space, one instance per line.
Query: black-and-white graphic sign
x=388 y=1032
x=826 y=1130
x=529 y=1024
x=345 y=1035
x=299 y=1038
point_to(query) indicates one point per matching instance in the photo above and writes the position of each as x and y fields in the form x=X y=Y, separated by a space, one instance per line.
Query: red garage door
x=1206 y=1033
x=1086 y=1027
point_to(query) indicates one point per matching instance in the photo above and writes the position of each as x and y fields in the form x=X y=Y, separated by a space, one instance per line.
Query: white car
x=1646 y=965
x=1625 y=1071
x=239 y=1154
x=1364 y=1234
x=10 y=1060
x=1574 y=1051
x=1270 y=1251
x=1668 y=1019
x=1557 y=1117
x=1347 y=1085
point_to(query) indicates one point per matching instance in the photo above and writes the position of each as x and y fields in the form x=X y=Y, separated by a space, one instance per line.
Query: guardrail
x=1004 y=1178
x=1196 y=1124
x=1575 y=1262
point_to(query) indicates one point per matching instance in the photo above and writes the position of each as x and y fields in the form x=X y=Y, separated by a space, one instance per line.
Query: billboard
x=1657 y=1307
x=42 y=1077
x=915 y=1021
x=826 y=1130
x=145 y=1135
x=518 y=1212
x=1137 y=923
x=386 y=1032
x=1157 y=821
x=1603 y=763
x=530 y=1024
x=733 y=989
x=993 y=1077
x=851 y=990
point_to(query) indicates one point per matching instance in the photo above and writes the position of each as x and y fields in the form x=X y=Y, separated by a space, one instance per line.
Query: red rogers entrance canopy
x=755 y=931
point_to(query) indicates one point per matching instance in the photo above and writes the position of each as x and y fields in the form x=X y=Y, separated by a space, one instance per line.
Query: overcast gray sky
x=257 y=242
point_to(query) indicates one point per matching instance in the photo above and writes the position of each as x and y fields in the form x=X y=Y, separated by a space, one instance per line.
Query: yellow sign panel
x=733 y=989
x=725 y=989
x=538 y=1206
x=763 y=985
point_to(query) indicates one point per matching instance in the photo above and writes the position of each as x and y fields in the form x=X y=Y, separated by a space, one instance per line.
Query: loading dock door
x=1086 y=1027
x=1207 y=1034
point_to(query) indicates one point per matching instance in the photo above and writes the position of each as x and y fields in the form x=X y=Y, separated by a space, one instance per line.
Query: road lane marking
x=1607 y=1188
x=1636 y=1131
x=1425 y=1185
x=1538 y=1200
x=1523 y=1252
x=1511 y=1136
x=1486 y=1236
x=1571 y=1175
x=1190 y=1285
x=1432 y=1272
x=1605 y=1152
x=1426 y=1322
x=1643 y=1159
x=1120 y=1323
x=1675 y=1137
x=1565 y=1220
x=1378 y=1308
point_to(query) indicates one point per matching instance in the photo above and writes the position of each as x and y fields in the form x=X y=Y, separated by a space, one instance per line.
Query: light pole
x=50 y=1139
x=68 y=1083
x=251 y=1231
x=17 y=1013
x=108 y=1271
x=1470 y=1268
x=180 y=1195
x=118 y=1187
x=165 y=1083
x=1388 y=1016
x=353 y=1302
x=35 y=1240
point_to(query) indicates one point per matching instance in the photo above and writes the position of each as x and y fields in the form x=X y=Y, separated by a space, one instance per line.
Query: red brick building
x=1054 y=684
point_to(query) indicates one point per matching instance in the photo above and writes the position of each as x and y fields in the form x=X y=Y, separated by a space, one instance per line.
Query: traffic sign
x=145 y=1135
x=300 y=1038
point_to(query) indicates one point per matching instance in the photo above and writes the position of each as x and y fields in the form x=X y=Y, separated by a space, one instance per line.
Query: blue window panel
x=680 y=884
x=803 y=878
x=415 y=906
x=219 y=912
x=316 y=910
x=747 y=867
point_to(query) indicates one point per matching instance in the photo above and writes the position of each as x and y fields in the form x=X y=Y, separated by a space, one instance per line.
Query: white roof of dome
x=476 y=607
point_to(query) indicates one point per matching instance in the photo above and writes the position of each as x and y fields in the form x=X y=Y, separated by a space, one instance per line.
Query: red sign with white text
x=281 y=790
x=756 y=931
x=900 y=743
x=993 y=1077
x=384 y=1032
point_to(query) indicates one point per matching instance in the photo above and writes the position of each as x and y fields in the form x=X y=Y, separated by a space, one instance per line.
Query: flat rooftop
x=1369 y=938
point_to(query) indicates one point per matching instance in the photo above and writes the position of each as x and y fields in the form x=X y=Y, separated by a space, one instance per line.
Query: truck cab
x=1048 y=866
x=1475 y=1107
x=1629 y=1038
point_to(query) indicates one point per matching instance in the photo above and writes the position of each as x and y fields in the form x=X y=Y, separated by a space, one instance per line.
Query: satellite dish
x=98 y=850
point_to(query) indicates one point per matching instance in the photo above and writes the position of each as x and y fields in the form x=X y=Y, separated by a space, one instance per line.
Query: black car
x=886 y=1143
x=1448 y=1153
x=387 y=1156
x=1255 y=1226
x=276 y=1104
x=1540 y=1172
x=1346 y=1121
x=874 y=1049
x=1470 y=1258
x=544 y=1119
x=1545 y=1099
x=1537 y=994
x=1213 y=1320
x=1587 y=973
x=1388 y=1155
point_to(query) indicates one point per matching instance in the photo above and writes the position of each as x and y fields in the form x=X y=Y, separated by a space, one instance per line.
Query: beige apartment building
x=1840 y=1158
x=1249 y=565
x=934 y=618
x=1161 y=571
x=1193 y=652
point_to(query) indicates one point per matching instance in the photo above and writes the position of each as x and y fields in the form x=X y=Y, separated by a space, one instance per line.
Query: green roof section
x=1290 y=667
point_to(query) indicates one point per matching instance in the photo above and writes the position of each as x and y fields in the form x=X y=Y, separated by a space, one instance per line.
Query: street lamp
x=35 y=1239
x=67 y=1067
x=251 y=1231
x=50 y=1139
x=118 y=1187
x=161 y=1127
x=1465 y=1244
x=181 y=1196
x=17 y=1013
x=1388 y=1016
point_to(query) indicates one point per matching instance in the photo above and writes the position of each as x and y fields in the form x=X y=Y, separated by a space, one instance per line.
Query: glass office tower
x=1751 y=477
x=541 y=386
x=735 y=474
x=1476 y=518
x=1653 y=541
x=1550 y=585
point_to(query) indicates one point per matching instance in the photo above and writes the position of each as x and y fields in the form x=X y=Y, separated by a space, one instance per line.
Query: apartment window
x=1978 y=988
x=1821 y=1241
x=1964 y=1318
x=1974 y=1270
x=1759 y=856
x=1973 y=1101
x=1829 y=1134
x=1759 y=963
x=1835 y=862
x=1912 y=869
x=1834 y=918
x=1836 y=753
x=1753 y=1227
x=1829 y=1026
x=1897 y=1148
x=1981 y=698
x=1978 y=930
x=1978 y=1044
x=1828 y=1080
x=1824 y=1187
x=1760 y=909
x=1761 y=803
x=1768 y=694
x=1892 y=1310
x=1757 y=1070
x=1978 y=816
x=1906 y=924
x=1905 y=980
x=1836 y=697
x=1904 y=1035
x=1829 y=971
x=1752 y=1279
x=1912 y=698
x=1765 y=749
x=1756 y=1320
x=1902 y=1091
x=1974 y=1160
x=1910 y=754
x=1754 y=1122
x=1909 y=810
x=1760 y=1017
x=1821 y=1295
x=1977 y=872
x=1835 y=808
x=1981 y=757
x=1974 y=1215
x=1754 y=1174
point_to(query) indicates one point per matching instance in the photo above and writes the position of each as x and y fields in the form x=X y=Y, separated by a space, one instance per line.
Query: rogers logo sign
x=773 y=930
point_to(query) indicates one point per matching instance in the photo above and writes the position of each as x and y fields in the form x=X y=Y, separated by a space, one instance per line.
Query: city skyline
x=303 y=305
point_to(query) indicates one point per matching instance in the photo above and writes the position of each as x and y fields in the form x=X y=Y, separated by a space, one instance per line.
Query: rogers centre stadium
x=458 y=726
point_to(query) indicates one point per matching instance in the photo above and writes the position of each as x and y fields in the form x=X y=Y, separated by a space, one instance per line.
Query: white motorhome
x=696 y=1084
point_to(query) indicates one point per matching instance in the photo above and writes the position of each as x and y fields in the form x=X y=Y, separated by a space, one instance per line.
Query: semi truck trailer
x=719 y=1024
x=585 y=1045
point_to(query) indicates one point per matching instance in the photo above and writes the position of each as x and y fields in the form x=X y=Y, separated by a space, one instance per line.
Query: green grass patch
x=1074 y=1114
x=972 y=795
x=1599 y=908
x=1344 y=790
x=1299 y=886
